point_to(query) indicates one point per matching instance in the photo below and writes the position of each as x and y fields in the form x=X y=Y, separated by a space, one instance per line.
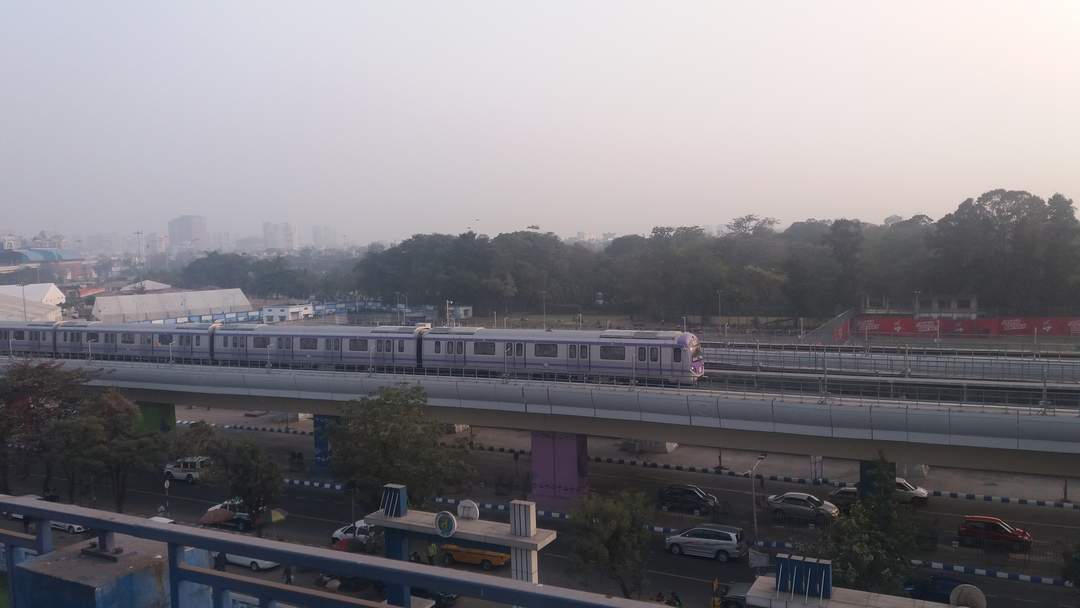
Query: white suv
x=188 y=469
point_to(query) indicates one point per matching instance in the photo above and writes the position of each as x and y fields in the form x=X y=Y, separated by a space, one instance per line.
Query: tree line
x=1017 y=252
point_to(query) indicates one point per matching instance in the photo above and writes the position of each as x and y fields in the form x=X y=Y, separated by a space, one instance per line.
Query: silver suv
x=799 y=505
x=721 y=543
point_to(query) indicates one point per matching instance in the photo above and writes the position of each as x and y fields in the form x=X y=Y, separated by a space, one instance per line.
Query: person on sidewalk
x=220 y=561
x=287 y=575
x=432 y=551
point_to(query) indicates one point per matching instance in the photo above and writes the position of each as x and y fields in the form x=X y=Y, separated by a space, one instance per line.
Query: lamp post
x=24 y=302
x=917 y=292
x=753 y=490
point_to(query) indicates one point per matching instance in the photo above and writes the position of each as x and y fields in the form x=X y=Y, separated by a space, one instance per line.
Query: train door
x=515 y=356
x=455 y=353
x=577 y=359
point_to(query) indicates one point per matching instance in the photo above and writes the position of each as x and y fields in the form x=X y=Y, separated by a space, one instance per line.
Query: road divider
x=248 y=427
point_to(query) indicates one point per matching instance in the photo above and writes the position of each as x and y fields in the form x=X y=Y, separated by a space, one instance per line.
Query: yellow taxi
x=484 y=558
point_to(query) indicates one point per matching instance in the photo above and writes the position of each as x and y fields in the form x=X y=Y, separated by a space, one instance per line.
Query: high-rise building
x=188 y=232
x=281 y=237
x=324 y=237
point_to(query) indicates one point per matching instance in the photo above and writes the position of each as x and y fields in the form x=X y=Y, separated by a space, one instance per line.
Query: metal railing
x=219 y=585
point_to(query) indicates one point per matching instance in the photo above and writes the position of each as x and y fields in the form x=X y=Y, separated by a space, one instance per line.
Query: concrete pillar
x=321 y=426
x=559 y=465
x=523 y=562
x=395 y=503
x=160 y=417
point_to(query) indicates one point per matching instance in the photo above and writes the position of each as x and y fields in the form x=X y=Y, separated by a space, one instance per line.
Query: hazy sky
x=391 y=118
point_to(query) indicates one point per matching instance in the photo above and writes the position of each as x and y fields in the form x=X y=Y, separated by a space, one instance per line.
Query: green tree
x=249 y=474
x=611 y=536
x=871 y=547
x=125 y=448
x=32 y=396
x=75 y=444
x=393 y=438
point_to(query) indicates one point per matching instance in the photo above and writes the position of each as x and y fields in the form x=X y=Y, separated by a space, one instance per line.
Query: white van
x=188 y=469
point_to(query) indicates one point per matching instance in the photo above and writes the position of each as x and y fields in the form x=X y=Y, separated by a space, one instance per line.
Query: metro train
x=668 y=356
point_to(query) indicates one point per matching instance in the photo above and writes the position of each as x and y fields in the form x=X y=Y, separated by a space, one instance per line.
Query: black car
x=442 y=600
x=844 y=497
x=686 y=498
x=933 y=589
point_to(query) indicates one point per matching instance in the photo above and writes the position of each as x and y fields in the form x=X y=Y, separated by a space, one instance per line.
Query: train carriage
x=318 y=346
x=33 y=339
x=652 y=355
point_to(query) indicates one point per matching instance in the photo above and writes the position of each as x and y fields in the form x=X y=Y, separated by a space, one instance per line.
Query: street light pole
x=753 y=490
x=24 y=302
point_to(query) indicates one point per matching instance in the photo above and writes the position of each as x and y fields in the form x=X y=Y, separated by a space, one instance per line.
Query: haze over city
x=390 y=119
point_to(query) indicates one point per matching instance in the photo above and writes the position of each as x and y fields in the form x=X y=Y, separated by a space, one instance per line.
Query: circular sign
x=445 y=524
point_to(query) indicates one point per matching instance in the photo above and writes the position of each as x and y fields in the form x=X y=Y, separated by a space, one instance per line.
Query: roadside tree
x=393 y=438
x=250 y=475
x=871 y=547
x=126 y=448
x=611 y=536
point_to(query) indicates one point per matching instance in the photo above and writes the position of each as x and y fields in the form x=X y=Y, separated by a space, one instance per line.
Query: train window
x=225 y=341
x=3 y=334
x=571 y=351
x=378 y=346
x=519 y=350
x=185 y=340
x=146 y=339
x=18 y=335
x=110 y=338
x=198 y=340
x=401 y=346
x=127 y=338
x=546 y=350
x=357 y=344
x=164 y=339
x=309 y=343
x=483 y=348
x=641 y=353
x=36 y=336
x=509 y=349
x=438 y=347
x=284 y=343
x=333 y=344
x=237 y=342
x=677 y=355
x=259 y=342
x=389 y=346
x=654 y=354
x=584 y=351
x=92 y=337
x=460 y=348
x=613 y=353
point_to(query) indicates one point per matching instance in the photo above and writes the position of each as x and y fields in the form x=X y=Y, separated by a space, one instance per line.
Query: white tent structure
x=44 y=293
x=145 y=286
x=16 y=309
x=157 y=306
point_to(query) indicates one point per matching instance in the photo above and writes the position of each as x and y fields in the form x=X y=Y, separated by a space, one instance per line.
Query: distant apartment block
x=188 y=232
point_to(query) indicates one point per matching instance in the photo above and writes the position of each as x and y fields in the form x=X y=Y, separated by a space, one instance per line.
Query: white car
x=359 y=530
x=55 y=525
x=188 y=469
x=254 y=563
x=905 y=492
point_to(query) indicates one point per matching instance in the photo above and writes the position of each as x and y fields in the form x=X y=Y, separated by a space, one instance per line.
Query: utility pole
x=753 y=490
x=543 y=299
x=24 y=302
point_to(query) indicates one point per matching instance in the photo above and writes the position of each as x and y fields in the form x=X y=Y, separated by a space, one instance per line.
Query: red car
x=983 y=530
